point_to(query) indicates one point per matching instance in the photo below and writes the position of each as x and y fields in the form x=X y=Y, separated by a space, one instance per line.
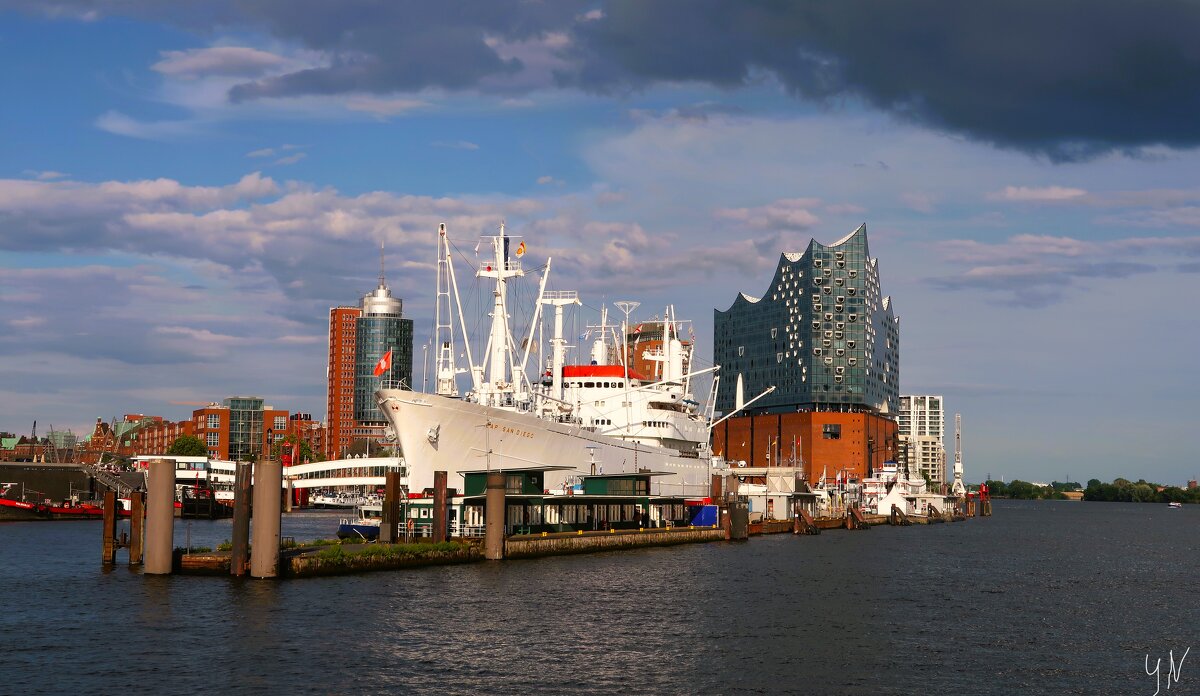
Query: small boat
x=366 y=527
x=1175 y=506
x=67 y=510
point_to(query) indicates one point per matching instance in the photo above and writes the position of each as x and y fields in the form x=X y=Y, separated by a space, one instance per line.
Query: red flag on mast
x=384 y=364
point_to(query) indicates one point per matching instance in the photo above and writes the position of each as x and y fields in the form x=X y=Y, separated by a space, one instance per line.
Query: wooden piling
x=493 y=516
x=240 y=535
x=137 y=526
x=109 y=530
x=264 y=545
x=389 y=528
x=160 y=517
x=439 y=507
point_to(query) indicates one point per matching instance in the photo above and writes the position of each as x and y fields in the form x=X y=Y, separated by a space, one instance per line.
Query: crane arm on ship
x=735 y=411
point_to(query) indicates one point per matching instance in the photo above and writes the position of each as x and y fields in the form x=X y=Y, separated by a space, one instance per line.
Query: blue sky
x=185 y=190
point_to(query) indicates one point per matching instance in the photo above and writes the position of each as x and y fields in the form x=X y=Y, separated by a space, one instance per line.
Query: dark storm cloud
x=1064 y=77
x=1067 y=78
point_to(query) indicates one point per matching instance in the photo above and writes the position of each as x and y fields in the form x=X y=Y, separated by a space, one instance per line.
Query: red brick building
x=853 y=444
x=339 y=418
x=120 y=439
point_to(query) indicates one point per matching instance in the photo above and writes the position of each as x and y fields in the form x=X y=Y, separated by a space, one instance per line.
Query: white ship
x=596 y=418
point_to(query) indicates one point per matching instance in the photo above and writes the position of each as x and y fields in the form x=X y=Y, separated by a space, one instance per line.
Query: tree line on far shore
x=1024 y=490
x=1141 y=491
x=1120 y=490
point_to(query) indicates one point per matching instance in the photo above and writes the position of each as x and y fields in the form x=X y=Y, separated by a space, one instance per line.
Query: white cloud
x=291 y=159
x=48 y=175
x=1045 y=194
x=384 y=108
x=455 y=144
x=784 y=214
x=264 y=152
x=239 y=61
x=26 y=322
x=920 y=202
x=118 y=123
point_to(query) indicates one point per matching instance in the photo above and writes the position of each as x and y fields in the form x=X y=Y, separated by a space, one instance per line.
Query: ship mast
x=443 y=332
x=558 y=345
x=497 y=363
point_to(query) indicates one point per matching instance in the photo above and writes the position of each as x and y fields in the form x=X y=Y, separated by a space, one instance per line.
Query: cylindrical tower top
x=381 y=303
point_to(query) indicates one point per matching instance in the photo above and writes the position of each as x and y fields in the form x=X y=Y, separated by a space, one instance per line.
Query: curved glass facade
x=380 y=328
x=823 y=334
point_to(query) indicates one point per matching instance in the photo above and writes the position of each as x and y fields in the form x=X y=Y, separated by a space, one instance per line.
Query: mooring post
x=264 y=544
x=440 y=518
x=389 y=531
x=288 y=487
x=240 y=535
x=160 y=517
x=110 y=528
x=493 y=516
x=137 y=526
x=739 y=520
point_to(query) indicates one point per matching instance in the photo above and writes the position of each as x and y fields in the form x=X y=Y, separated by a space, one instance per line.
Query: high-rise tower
x=358 y=338
x=339 y=414
x=823 y=334
x=922 y=430
x=380 y=329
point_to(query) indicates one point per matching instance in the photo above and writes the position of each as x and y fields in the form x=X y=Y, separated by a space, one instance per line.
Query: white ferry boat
x=597 y=417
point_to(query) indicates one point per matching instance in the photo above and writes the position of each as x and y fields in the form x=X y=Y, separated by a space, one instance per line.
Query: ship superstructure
x=597 y=417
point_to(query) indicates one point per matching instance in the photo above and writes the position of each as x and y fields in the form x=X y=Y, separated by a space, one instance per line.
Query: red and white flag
x=384 y=364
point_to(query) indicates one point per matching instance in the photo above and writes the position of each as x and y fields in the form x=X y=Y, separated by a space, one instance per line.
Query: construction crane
x=958 y=487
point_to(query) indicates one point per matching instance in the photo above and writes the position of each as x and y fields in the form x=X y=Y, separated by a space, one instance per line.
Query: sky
x=187 y=188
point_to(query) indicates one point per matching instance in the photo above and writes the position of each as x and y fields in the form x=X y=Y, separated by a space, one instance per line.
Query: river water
x=1043 y=597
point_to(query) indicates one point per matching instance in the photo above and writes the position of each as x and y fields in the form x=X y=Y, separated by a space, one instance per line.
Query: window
x=212 y=439
x=280 y=422
x=831 y=431
x=214 y=421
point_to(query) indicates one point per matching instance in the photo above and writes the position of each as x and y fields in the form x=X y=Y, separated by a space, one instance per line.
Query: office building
x=922 y=431
x=358 y=338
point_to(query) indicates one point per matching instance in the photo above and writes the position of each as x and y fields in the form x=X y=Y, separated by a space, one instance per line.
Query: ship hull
x=437 y=433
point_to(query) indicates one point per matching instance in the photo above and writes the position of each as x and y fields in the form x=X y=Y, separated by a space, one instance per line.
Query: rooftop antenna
x=382 y=283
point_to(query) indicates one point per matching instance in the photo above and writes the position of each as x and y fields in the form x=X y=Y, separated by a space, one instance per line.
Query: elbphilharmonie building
x=822 y=333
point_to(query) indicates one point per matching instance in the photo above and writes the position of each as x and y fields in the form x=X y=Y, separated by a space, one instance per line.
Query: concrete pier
x=160 y=517
x=240 y=535
x=493 y=514
x=264 y=544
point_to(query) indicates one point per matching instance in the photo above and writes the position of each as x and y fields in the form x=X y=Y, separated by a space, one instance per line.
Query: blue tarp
x=704 y=516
